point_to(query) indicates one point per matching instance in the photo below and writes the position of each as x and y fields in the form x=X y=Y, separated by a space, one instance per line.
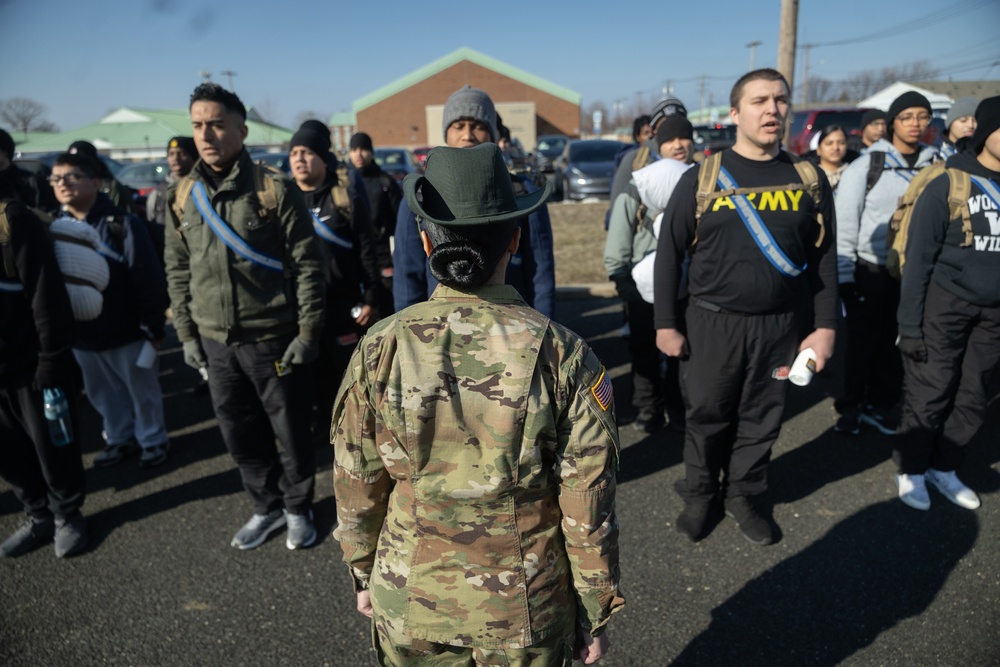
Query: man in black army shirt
x=740 y=332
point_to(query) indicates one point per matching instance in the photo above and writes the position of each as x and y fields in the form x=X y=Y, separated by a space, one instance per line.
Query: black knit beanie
x=907 y=100
x=7 y=144
x=314 y=141
x=362 y=141
x=186 y=144
x=870 y=116
x=674 y=127
x=987 y=122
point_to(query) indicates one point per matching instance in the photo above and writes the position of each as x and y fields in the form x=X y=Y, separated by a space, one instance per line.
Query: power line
x=932 y=19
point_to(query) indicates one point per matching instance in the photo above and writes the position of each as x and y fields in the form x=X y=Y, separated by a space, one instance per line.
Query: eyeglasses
x=69 y=179
x=921 y=119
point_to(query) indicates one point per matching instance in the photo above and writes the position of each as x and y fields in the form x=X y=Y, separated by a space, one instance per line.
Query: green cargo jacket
x=475 y=460
x=219 y=294
x=628 y=241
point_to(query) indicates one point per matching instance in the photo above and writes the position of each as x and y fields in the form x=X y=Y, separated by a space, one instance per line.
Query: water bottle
x=57 y=414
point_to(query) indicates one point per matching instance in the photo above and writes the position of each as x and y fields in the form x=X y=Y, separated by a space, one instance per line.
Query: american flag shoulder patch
x=603 y=391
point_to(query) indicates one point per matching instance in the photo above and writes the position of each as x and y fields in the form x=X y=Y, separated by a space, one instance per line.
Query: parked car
x=810 y=121
x=548 y=148
x=144 y=176
x=397 y=162
x=420 y=155
x=710 y=139
x=586 y=168
x=276 y=160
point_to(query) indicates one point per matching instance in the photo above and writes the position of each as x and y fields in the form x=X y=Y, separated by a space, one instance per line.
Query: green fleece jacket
x=217 y=293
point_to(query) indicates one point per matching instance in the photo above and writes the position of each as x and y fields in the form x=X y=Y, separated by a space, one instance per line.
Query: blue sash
x=906 y=172
x=989 y=189
x=109 y=253
x=758 y=230
x=329 y=235
x=227 y=235
x=11 y=286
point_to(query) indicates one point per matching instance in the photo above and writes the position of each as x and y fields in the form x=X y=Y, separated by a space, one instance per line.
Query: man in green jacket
x=245 y=278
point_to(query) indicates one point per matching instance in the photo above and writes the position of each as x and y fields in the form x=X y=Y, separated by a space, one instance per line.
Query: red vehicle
x=810 y=121
x=421 y=155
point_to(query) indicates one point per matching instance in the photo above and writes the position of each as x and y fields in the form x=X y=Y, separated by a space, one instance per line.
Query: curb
x=587 y=291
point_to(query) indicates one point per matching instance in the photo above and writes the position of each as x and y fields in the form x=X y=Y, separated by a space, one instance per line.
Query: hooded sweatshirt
x=863 y=219
x=934 y=249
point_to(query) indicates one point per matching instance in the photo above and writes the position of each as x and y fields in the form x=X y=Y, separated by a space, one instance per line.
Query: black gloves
x=912 y=348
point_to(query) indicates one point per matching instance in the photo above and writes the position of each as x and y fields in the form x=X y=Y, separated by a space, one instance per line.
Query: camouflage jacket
x=476 y=452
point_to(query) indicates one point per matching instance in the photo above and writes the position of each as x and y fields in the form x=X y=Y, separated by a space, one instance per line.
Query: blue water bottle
x=57 y=414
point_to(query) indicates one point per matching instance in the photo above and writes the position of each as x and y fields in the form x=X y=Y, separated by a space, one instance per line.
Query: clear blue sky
x=82 y=59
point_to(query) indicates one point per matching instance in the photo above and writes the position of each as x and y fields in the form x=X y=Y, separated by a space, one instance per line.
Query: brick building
x=408 y=111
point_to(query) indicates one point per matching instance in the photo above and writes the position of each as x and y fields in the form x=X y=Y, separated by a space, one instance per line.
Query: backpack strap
x=181 y=195
x=640 y=158
x=267 y=193
x=875 y=168
x=6 y=248
x=810 y=182
x=708 y=176
x=339 y=193
x=959 y=191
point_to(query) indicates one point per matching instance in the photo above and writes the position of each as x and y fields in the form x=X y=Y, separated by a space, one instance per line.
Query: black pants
x=944 y=403
x=734 y=399
x=254 y=406
x=651 y=388
x=873 y=372
x=48 y=480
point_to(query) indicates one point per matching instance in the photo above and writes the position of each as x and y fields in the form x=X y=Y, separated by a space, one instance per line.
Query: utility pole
x=229 y=74
x=805 y=73
x=753 y=53
x=206 y=75
x=786 y=40
x=638 y=102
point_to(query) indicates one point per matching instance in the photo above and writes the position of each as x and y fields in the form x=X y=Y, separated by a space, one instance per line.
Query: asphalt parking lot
x=856 y=578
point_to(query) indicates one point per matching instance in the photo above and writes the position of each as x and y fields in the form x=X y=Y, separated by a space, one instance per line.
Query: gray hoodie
x=863 y=219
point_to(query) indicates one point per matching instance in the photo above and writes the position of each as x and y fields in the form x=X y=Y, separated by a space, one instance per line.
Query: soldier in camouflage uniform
x=476 y=452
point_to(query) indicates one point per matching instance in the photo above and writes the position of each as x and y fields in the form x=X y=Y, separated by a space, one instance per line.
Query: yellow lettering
x=723 y=201
x=795 y=196
x=770 y=201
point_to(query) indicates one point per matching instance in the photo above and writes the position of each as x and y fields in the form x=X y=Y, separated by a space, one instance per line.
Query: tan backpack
x=959 y=191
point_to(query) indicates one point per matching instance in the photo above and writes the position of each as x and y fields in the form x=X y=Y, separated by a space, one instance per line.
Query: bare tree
x=587 y=121
x=820 y=89
x=24 y=114
x=308 y=114
x=868 y=82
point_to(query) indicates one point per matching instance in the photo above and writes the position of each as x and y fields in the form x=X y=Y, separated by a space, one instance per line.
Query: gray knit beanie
x=469 y=102
x=964 y=106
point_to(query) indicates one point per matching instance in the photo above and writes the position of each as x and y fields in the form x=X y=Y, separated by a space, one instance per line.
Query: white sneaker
x=949 y=486
x=913 y=491
x=301 y=532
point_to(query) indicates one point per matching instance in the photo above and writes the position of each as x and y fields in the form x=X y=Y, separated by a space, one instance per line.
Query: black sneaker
x=694 y=520
x=70 y=536
x=886 y=421
x=29 y=535
x=849 y=422
x=753 y=526
x=648 y=421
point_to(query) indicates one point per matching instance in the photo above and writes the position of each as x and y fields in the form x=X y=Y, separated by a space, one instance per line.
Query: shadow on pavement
x=874 y=569
x=103 y=523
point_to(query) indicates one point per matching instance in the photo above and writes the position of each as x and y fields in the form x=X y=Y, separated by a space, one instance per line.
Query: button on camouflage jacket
x=476 y=452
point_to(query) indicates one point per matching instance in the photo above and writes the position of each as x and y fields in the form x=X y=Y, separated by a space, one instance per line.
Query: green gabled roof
x=472 y=56
x=343 y=119
x=137 y=128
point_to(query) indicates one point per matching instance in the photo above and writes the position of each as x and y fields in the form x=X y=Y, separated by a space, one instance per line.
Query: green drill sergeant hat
x=468 y=186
